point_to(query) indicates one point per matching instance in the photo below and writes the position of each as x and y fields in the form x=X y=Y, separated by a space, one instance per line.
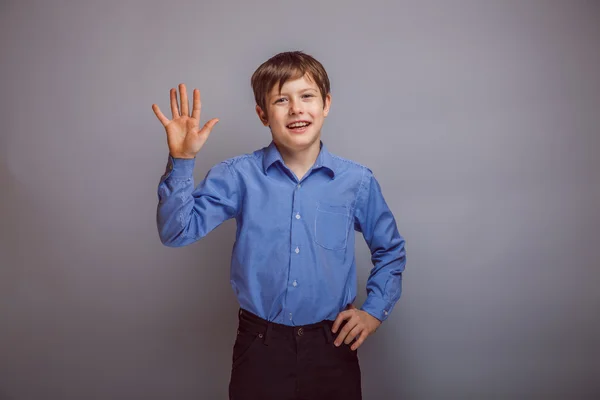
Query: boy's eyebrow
x=301 y=91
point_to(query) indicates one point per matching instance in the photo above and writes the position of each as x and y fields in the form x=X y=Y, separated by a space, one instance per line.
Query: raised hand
x=183 y=136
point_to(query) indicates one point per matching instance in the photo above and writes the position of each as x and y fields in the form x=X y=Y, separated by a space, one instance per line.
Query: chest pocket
x=331 y=225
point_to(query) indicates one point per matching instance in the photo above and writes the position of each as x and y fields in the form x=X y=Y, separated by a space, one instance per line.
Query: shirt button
x=290 y=316
x=299 y=186
x=295 y=284
x=297 y=216
x=385 y=312
x=297 y=250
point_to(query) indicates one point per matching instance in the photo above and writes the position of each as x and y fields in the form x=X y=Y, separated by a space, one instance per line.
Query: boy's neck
x=300 y=161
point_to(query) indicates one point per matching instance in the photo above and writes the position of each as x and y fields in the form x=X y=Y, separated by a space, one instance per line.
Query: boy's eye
x=283 y=98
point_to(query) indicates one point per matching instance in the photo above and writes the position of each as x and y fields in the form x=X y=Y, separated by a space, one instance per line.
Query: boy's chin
x=299 y=141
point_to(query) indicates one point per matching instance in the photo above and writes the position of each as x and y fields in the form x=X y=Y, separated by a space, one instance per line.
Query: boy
x=293 y=265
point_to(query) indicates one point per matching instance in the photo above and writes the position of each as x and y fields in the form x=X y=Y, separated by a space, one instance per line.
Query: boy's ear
x=262 y=116
x=327 y=104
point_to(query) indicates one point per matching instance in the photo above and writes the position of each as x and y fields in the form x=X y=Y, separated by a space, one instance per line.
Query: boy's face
x=299 y=100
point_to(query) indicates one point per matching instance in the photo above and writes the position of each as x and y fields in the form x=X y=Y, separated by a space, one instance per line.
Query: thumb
x=209 y=125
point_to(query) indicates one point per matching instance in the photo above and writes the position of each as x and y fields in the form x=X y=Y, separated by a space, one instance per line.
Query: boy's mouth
x=298 y=126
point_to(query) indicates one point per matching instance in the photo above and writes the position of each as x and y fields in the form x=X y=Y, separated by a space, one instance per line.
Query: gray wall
x=480 y=119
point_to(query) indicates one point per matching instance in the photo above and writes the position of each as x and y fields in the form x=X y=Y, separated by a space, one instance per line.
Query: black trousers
x=278 y=362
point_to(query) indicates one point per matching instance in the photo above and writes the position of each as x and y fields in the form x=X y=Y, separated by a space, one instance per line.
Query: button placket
x=297 y=238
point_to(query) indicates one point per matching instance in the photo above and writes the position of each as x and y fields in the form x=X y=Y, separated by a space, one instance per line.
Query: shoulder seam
x=236 y=159
x=350 y=162
x=366 y=175
x=239 y=192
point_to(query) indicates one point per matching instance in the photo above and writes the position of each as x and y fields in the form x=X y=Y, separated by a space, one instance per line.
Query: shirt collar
x=324 y=159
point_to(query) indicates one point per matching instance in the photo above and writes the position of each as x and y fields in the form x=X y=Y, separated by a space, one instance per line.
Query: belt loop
x=267 y=334
x=328 y=335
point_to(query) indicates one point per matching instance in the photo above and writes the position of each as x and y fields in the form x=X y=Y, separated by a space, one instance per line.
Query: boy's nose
x=295 y=108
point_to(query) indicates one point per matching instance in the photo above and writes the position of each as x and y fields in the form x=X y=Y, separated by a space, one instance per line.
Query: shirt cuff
x=180 y=168
x=377 y=307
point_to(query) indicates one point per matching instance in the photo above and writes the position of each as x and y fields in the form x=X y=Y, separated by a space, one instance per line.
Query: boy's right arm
x=185 y=214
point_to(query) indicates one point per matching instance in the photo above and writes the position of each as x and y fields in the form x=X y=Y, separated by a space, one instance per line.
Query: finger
x=338 y=321
x=361 y=339
x=345 y=330
x=208 y=126
x=174 y=107
x=196 y=105
x=163 y=120
x=353 y=334
x=183 y=100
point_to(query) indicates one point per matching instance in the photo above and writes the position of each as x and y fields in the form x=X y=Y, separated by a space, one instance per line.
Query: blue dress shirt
x=293 y=260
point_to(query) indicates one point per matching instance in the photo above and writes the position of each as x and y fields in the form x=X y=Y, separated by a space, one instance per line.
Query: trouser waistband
x=266 y=328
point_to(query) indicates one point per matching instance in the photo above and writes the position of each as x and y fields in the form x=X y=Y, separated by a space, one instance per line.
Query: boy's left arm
x=375 y=220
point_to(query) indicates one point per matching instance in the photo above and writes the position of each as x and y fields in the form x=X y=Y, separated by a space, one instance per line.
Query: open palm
x=184 y=137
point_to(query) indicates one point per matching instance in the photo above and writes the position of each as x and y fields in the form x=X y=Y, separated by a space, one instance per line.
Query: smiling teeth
x=298 y=124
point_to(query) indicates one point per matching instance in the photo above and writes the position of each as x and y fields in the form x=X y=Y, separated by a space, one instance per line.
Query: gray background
x=479 y=118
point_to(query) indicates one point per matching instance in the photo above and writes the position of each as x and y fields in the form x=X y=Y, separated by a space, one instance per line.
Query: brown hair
x=283 y=67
